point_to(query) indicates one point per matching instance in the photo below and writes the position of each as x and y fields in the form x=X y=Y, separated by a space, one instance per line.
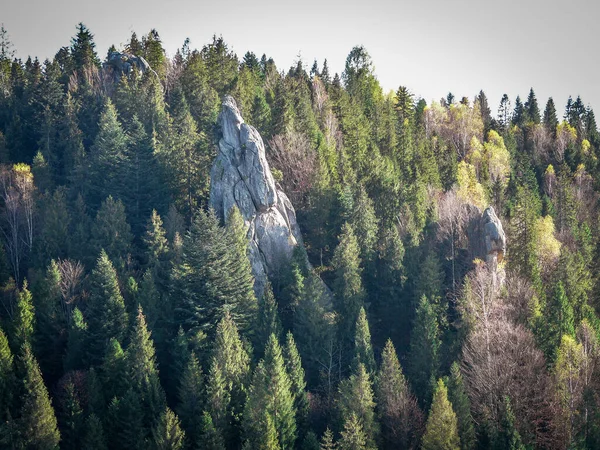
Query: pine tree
x=265 y=437
x=268 y=322
x=424 y=351
x=441 y=431
x=398 y=411
x=457 y=395
x=191 y=405
x=167 y=434
x=355 y=398
x=24 y=318
x=363 y=351
x=518 y=116
x=37 y=422
x=93 y=437
x=125 y=422
x=106 y=315
x=271 y=392
x=157 y=250
x=293 y=364
x=352 y=436
x=559 y=319
x=115 y=379
x=348 y=287
x=365 y=226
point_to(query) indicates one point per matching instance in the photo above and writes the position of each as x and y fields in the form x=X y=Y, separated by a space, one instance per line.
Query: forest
x=128 y=312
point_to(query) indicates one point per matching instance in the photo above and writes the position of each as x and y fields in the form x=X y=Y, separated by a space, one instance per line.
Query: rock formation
x=123 y=63
x=486 y=237
x=240 y=176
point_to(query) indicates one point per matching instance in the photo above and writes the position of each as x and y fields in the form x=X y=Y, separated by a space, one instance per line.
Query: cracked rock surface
x=240 y=176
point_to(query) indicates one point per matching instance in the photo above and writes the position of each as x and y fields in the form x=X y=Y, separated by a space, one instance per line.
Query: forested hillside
x=128 y=318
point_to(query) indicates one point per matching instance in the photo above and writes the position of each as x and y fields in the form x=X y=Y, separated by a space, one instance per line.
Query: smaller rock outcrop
x=123 y=63
x=240 y=176
x=487 y=239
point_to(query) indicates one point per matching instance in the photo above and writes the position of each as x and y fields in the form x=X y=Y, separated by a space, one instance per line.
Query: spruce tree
x=93 y=436
x=363 y=351
x=365 y=226
x=24 y=318
x=218 y=399
x=107 y=156
x=125 y=422
x=191 y=404
x=397 y=408
x=271 y=392
x=74 y=357
x=353 y=437
x=327 y=441
x=204 y=286
x=106 y=315
x=550 y=119
x=211 y=439
x=38 y=427
x=559 y=319
x=293 y=364
x=168 y=435
x=83 y=49
x=441 y=430
x=532 y=109
x=114 y=373
x=70 y=417
x=111 y=232
x=348 y=288
x=7 y=376
x=268 y=322
x=457 y=395
x=509 y=437
x=355 y=399
x=424 y=351
x=142 y=371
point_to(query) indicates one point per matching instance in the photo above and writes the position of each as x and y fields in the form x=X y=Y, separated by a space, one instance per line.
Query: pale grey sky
x=431 y=46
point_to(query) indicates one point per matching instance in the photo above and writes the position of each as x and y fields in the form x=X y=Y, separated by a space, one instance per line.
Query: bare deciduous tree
x=71 y=275
x=292 y=154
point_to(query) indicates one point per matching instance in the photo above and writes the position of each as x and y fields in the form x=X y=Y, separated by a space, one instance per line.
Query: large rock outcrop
x=240 y=176
x=486 y=237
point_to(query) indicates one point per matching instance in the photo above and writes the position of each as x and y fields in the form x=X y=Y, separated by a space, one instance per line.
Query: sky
x=431 y=46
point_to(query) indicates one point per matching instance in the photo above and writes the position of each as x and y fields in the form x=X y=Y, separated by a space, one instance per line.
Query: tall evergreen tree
x=168 y=435
x=38 y=427
x=93 y=436
x=24 y=318
x=424 y=351
x=7 y=376
x=293 y=364
x=397 y=408
x=550 y=120
x=353 y=437
x=348 y=287
x=191 y=404
x=111 y=232
x=441 y=432
x=271 y=392
x=457 y=395
x=106 y=315
x=356 y=399
x=363 y=351
x=83 y=49
x=532 y=109
x=267 y=319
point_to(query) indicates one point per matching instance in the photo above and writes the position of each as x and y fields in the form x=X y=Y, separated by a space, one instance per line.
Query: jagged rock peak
x=241 y=177
x=493 y=234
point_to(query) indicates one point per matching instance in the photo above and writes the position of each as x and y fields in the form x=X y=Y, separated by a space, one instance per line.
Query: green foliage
x=363 y=351
x=424 y=351
x=268 y=322
x=24 y=319
x=441 y=431
x=37 y=422
x=296 y=374
x=191 y=401
x=106 y=315
x=457 y=395
x=168 y=434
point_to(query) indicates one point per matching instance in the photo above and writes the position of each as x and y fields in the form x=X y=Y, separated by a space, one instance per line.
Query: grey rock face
x=487 y=240
x=123 y=64
x=240 y=176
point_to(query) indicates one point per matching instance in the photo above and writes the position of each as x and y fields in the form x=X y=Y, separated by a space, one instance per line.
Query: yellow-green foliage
x=469 y=189
x=548 y=248
x=497 y=157
x=441 y=431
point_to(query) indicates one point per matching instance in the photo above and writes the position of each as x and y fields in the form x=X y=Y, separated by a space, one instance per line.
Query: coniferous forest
x=128 y=314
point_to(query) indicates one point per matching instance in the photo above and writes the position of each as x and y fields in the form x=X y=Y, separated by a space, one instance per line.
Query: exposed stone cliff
x=240 y=176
